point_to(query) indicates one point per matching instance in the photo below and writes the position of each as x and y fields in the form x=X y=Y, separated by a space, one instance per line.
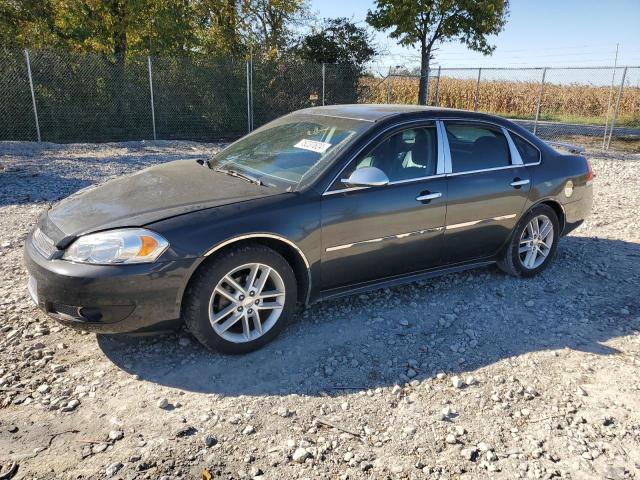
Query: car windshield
x=288 y=149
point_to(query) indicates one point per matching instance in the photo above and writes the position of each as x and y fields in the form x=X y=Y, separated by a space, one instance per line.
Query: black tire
x=195 y=310
x=511 y=262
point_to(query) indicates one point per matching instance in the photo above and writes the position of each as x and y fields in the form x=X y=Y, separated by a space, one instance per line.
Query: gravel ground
x=472 y=375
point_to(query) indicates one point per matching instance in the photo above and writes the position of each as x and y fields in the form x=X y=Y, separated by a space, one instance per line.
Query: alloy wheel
x=247 y=302
x=536 y=241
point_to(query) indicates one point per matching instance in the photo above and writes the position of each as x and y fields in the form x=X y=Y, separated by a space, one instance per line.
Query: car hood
x=147 y=196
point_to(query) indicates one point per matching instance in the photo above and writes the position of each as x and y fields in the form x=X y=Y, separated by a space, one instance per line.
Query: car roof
x=375 y=112
x=381 y=112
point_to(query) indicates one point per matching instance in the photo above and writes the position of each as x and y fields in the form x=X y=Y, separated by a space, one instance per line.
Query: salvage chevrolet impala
x=317 y=204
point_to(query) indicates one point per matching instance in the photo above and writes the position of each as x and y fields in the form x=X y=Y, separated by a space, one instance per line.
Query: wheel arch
x=557 y=208
x=285 y=247
x=553 y=204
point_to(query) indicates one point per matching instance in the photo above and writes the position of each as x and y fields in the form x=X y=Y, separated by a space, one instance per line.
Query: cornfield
x=517 y=99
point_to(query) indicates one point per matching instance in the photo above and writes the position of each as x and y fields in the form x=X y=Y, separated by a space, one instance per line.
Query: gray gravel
x=472 y=375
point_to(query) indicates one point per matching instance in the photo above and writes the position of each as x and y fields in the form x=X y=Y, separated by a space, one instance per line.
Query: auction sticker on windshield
x=313 y=145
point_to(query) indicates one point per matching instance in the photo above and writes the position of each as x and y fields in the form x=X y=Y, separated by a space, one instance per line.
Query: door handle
x=428 y=196
x=518 y=183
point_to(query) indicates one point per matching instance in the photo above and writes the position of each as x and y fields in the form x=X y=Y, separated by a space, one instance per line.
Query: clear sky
x=538 y=33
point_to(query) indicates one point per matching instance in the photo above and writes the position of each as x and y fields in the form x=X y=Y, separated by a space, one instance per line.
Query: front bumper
x=108 y=298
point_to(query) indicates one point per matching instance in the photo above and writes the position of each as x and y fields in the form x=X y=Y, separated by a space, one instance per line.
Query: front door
x=487 y=191
x=376 y=232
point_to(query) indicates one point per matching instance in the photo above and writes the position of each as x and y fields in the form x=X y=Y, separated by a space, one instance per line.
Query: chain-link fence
x=197 y=99
x=17 y=119
x=60 y=96
x=56 y=96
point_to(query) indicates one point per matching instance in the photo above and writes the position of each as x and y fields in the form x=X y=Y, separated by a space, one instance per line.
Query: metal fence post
x=427 y=86
x=323 y=79
x=33 y=93
x=613 y=80
x=437 y=92
x=615 y=110
x=153 y=110
x=389 y=86
x=477 y=95
x=248 y=100
x=251 y=88
x=535 y=123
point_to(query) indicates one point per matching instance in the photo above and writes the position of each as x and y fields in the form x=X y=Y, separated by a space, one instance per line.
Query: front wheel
x=241 y=300
x=533 y=243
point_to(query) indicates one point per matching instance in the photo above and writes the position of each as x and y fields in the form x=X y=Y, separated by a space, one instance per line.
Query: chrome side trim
x=343 y=190
x=465 y=224
x=411 y=180
x=476 y=222
x=420 y=232
x=382 y=239
x=397 y=182
x=504 y=217
x=506 y=167
x=274 y=237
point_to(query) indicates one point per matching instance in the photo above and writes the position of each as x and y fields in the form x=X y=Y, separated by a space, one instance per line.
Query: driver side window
x=405 y=155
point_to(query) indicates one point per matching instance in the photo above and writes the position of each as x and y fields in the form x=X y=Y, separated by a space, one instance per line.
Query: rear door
x=487 y=188
x=375 y=232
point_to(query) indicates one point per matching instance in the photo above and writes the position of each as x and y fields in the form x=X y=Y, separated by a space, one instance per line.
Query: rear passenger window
x=476 y=147
x=528 y=152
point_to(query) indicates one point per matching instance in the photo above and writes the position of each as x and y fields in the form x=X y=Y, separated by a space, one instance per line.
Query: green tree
x=219 y=27
x=426 y=23
x=115 y=27
x=268 y=24
x=28 y=22
x=337 y=40
x=152 y=27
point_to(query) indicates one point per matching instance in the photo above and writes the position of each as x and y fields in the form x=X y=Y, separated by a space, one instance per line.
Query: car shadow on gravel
x=48 y=172
x=456 y=323
x=20 y=187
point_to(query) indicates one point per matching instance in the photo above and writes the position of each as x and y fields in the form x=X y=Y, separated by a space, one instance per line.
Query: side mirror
x=366 y=177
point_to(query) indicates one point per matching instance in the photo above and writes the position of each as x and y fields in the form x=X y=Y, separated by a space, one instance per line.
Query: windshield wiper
x=236 y=173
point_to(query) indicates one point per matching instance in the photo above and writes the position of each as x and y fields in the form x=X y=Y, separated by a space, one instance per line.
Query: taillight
x=589 y=176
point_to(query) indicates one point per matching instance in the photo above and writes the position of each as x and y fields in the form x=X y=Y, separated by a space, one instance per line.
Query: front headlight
x=127 y=245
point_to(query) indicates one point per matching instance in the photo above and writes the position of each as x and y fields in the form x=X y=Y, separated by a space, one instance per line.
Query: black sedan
x=320 y=203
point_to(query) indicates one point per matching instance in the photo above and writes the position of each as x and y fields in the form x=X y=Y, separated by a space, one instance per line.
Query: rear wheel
x=533 y=243
x=242 y=300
